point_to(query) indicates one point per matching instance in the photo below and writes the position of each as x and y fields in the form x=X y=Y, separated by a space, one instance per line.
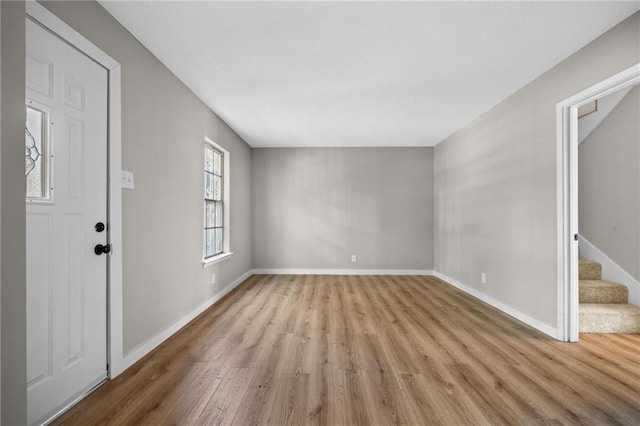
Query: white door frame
x=44 y=17
x=567 y=196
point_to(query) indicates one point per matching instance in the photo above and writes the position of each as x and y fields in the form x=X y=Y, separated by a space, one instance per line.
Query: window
x=36 y=149
x=216 y=208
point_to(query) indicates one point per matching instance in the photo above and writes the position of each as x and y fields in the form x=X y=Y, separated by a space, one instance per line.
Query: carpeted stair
x=604 y=306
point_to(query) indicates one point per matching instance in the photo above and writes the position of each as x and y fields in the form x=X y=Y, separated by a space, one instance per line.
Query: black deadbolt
x=99 y=249
x=100 y=227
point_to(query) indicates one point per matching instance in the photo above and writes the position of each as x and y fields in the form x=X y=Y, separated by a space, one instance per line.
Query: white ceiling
x=363 y=73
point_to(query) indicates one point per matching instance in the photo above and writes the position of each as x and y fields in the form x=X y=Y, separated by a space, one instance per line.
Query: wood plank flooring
x=368 y=350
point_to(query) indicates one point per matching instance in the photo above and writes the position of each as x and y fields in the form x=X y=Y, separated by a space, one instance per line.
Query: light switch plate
x=127 y=179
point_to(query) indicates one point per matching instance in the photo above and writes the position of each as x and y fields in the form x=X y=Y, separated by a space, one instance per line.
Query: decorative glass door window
x=213 y=202
x=36 y=154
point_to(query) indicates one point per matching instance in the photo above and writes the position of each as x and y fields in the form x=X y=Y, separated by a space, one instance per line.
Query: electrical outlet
x=483 y=278
x=127 y=180
x=354 y=258
x=213 y=278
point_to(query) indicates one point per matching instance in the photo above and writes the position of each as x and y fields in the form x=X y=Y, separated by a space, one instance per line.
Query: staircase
x=604 y=306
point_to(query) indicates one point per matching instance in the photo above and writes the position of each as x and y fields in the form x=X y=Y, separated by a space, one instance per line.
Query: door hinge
x=575 y=237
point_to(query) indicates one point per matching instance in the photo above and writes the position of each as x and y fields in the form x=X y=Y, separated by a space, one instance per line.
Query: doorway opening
x=568 y=237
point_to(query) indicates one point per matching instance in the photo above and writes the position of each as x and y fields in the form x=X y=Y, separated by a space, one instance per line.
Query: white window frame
x=226 y=195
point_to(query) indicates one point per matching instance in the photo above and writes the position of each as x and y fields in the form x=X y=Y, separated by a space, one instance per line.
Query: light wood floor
x=361 y=350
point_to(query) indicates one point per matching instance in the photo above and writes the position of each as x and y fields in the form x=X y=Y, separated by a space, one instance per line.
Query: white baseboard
x=611 y=271
x=136 y=354
x=538 y=325
x=342 y=272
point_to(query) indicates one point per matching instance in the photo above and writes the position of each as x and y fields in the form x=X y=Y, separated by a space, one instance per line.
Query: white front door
x=66 y=165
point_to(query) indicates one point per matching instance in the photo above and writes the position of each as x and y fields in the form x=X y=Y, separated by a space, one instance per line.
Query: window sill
x=207 y=263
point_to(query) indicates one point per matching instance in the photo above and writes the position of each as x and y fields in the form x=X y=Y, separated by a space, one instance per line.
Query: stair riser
x=604 y=295
x=609 y=327
x=590 y=271
x=609 y=323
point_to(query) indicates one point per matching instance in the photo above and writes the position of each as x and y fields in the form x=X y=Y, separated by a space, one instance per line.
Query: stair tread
x=587 y=262
x=600 y=283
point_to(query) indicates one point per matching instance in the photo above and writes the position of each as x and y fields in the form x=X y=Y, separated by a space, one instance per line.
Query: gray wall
x=609 y=185
x=314 y=208
x=12 y=245
x=496 y=182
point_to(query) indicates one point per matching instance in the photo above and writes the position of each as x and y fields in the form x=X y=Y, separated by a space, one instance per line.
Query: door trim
x=567 y=196
x=48 y=20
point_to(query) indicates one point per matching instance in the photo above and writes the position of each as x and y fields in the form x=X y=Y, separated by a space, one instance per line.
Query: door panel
x=75 y=172
x=66 y=280
x=39 y=362
x=39 y=75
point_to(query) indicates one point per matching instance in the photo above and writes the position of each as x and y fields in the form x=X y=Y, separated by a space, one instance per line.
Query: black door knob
x=100 y=227
x=99 y=249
